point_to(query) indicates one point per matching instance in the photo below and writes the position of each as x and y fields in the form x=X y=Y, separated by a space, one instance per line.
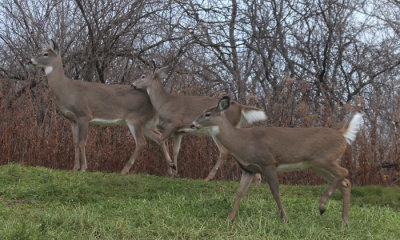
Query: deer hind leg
x=335 y=175
x=151 y=131
x=170 y=164
x=75 y=138
x=168 y=130
x=245 y=181
x=345 y=188
x=330 y=178
x=258 y=179
x=270 y=173
x=83 y=133
x=153 y=134
x=137 y=133
x=223 y=155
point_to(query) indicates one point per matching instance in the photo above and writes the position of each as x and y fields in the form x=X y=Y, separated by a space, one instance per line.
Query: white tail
x=84 y=102
x=254 y=115
x=269 y=150
x=353 y=128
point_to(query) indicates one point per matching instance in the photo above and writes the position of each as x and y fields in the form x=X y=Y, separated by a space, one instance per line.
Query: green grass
x=39 y=203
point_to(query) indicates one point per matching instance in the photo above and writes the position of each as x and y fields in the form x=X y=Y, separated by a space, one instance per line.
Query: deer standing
x=86 y=102
x=177 y=112
x=269 y=150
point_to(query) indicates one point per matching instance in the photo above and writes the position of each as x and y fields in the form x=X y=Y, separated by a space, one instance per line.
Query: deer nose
x=32 y=61
x=194 y=125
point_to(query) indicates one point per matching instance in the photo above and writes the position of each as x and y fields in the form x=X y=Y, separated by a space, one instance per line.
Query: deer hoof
x=171 y=173
x=207 y=179
x=173 y=166
x=211 y=175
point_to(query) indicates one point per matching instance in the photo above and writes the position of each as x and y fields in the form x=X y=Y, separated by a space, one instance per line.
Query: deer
x=177 y=112
x=275 y=149
x=84 y=103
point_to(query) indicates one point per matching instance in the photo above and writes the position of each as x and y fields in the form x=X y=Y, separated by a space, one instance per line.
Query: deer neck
x=157 y=95
x=55 y=75
x=225 y=132
x=58 y=82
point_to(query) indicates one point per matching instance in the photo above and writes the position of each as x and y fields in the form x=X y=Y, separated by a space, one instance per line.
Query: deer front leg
x=245 y=181
x=75 y=138
x=270 y=173
x=83 y=132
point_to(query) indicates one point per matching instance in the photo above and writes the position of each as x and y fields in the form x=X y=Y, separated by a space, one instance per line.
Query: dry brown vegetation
x=34 y=133
x=309 y=63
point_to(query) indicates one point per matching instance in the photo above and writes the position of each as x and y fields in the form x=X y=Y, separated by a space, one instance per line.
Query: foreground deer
x=176 y=113
x=268 y=150
x=84 y=102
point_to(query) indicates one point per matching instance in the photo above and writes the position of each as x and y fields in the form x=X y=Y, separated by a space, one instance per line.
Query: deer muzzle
x=194 y=125
x=32 y=61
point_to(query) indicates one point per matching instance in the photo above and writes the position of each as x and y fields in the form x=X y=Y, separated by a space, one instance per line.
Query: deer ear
x=164 y=72
x=153 y=66
x=54 y=46
x=224 y=103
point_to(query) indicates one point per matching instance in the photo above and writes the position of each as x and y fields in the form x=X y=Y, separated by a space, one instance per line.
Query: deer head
x=211 y=117
x=150 y=76
x=49 y=58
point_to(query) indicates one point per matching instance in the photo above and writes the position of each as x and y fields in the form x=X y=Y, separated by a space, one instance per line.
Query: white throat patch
x=48 y=70
x=214 y=130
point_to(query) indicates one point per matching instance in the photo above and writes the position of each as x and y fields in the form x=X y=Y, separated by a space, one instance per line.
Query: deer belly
x=293 y=167
x=107 y=122
x=251 y=168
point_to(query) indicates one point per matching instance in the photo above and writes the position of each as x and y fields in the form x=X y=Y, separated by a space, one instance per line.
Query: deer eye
x=207 y=115
x=45 y=54
x=143 y=76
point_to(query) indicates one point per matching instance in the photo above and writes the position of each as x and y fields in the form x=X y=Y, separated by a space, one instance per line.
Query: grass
x=40 y=203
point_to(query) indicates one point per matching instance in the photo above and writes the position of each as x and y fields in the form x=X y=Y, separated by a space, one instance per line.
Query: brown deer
x=177 y=112
x=269 y=150
x=87 y=102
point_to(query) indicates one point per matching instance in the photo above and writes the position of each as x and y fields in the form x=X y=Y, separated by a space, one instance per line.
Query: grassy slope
x=39 y=203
